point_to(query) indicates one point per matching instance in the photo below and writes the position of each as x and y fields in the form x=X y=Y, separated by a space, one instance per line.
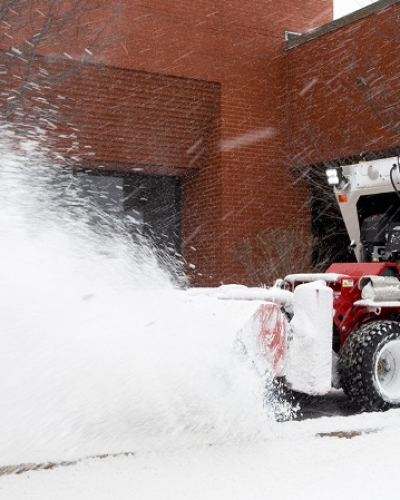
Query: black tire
x=369 y=366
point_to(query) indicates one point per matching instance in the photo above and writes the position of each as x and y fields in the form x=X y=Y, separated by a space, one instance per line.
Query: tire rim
x=387 y=371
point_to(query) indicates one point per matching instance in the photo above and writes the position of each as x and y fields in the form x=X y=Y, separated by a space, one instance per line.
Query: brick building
x=197 y=112
x=343 y=99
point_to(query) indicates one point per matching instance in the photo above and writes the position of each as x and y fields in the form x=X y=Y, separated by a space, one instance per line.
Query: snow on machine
x=340 y=328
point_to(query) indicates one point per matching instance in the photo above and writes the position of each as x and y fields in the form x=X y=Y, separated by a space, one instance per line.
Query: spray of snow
x=100 y=353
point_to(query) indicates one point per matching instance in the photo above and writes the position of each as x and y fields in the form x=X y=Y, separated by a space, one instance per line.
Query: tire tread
x=356 y=363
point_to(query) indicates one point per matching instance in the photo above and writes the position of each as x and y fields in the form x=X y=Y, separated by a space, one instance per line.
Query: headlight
x=336 y=178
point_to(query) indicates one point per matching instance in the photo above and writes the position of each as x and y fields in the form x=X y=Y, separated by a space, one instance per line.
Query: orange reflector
x=343 y=198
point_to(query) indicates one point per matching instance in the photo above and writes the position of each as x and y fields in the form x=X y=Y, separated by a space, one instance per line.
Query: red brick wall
x=119 y=119
x=344 y=90
x=244 y=187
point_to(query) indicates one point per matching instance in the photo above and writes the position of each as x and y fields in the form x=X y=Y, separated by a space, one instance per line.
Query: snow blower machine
x=341 y=328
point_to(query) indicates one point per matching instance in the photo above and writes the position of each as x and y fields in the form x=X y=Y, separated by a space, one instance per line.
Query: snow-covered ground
x=101 y=357
x=348 y=458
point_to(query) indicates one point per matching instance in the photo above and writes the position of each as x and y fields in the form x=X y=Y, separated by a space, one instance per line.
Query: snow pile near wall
x=121 y=372
x=98 y=352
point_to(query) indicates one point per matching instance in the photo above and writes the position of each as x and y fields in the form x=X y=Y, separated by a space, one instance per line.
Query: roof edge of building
x=339 y=23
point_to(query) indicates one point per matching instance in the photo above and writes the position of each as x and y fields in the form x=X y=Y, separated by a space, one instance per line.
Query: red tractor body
x=351 y=309
x=366 y=328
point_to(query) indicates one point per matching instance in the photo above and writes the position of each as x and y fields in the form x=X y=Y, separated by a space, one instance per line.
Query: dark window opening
x=147 y=205
x=152 y=205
